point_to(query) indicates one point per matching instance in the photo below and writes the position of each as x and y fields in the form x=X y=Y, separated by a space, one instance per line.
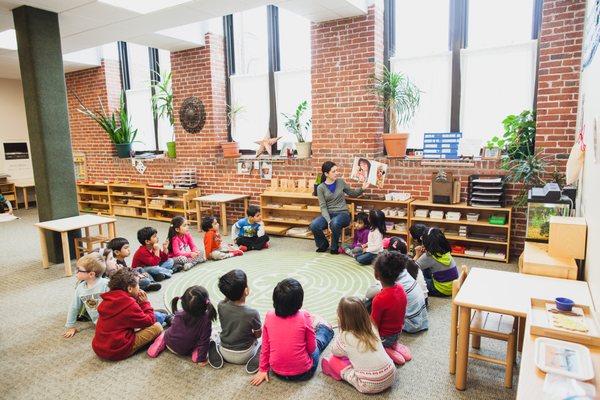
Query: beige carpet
x=37 y=363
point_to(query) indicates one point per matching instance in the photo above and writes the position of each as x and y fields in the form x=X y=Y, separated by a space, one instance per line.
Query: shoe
x=243 y=248
x=327 y=370
x=253 y=363
x=403 y=350
x=341 y=250
x=265 y=246
x=322 y=249
x=153 y=287
x=334 y=251
x=395 y=356
x=158 y=346
x=236 y=253
x=83 y=317
x=187 y=266
x=196 y=355
x=177 y=268
x=215 y=359
x=159 y=277
x=168 y=320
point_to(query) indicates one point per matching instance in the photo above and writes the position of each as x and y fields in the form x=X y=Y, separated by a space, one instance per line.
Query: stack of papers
x=497 y=254
x=299 y=231
x=475 y=251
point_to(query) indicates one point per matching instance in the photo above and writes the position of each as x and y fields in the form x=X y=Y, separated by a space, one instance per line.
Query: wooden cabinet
x=285 y=210
x=128 y=199
x=480 y=239
x=165 y=204
x=397 y=213
x=93 y=198
x=9 y=192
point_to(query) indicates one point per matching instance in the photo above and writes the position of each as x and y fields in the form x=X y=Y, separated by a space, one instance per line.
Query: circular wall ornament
x=192 y=115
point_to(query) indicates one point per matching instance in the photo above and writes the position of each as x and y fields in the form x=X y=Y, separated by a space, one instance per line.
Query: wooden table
x=23 y=185
x=64 y=225
x=222 y=199
x=506 y=293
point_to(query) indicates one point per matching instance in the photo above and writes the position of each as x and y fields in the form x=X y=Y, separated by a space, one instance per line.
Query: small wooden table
x=64 y=225
x=222 y=199
x=506 y=293
x=23 y=185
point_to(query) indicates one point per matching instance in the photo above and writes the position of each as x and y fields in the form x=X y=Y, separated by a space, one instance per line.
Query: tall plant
x=296 y=125
x=162 y=99
x=118 y=128
x=398 y=97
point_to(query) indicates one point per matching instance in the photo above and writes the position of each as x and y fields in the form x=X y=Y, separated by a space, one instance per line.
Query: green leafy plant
x=529 y=171
x=518 y=139
x=118 y=128
x=162 y=99
x=232 y=112
x=398 y=97
x=294 y=123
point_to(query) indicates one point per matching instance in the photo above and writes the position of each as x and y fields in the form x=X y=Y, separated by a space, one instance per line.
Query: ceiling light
x=8 y=39
x=144 y=6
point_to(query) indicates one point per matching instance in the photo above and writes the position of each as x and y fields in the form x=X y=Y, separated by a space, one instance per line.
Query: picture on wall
x=244 y=167
x=266 y=170
x=364 y=170
x=16 y=151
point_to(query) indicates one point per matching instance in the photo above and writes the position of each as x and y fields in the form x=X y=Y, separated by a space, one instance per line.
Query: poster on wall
x=244 y=167
x=364 y=170
x=266 y=170
x=16 y=151
x=591 y=39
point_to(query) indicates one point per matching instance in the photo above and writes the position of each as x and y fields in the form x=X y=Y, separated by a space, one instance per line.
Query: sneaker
x=348 y=251
x=196 y=355
x=177 y=268
x=243 y=248
x=159 y=277
x=265 y=246
x=341 y=250
x=168 y=320
x=83 y=317
x=332 y=251
x=236 y=253
x=322 y=249
x=252 y=364
x=403 y=350
x=327 y=370
x=158 y=346
x=153 y=287
x=395 y=356
x=215 y=359
x=187 y=266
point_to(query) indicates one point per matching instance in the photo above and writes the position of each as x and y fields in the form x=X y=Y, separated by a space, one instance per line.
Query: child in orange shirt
x=213 y=242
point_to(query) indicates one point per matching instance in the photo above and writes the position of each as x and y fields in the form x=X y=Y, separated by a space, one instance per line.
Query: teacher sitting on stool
x=334 y=210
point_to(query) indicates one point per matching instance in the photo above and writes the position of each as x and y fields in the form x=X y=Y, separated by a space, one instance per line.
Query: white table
x=64 y=225
x=222 y=199
x=506 y=293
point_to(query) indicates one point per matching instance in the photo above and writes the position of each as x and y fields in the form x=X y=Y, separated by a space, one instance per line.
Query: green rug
x=324 y=277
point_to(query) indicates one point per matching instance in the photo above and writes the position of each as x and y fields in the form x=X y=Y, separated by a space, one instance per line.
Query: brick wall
x=345 y=53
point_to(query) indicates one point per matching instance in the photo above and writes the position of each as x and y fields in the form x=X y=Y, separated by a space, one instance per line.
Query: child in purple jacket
x=361 y=234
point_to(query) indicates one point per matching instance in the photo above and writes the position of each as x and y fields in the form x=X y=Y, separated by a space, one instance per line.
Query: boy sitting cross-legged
x=121 y=250
x=249 y=233
x=126 y=319
x=150 y=257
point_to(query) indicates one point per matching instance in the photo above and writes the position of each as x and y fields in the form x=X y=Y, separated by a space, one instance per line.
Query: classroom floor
x=37 y=363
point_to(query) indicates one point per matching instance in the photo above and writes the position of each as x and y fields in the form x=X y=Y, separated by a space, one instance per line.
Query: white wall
x=13 y=127
x=589 y=115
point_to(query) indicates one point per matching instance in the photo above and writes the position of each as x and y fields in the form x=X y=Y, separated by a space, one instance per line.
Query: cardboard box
x=567 y=237
x=535 y=260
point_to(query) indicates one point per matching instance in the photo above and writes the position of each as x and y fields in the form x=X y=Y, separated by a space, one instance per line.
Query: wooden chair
x=486 y=324
x=189 y=206
x=85 y=244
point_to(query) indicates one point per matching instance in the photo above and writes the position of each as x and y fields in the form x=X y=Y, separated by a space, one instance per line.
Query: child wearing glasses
x=89 y=287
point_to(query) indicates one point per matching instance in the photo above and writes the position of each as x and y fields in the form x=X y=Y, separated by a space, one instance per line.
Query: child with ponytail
x=182 y=248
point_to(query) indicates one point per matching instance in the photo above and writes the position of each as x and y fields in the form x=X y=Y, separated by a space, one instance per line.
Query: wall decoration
x=244 y=167
x=364 y=170
x=493 y=153
x=140 y=167
x=591 y=40
x=266 y=170
x=266 y=144
x=192 y=115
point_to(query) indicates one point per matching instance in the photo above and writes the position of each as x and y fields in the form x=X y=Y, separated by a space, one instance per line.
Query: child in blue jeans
x=374 y=244
x=151 y=258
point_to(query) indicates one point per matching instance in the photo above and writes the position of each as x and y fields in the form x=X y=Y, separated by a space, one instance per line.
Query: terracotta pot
x=395 y=144
x=230 y=149
x=303 y=149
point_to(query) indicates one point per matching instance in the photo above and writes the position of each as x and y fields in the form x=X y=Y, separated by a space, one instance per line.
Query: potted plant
x=231 y=149
x=162 y=106
x=399 y=98
x=299 y=128
x=119 y=129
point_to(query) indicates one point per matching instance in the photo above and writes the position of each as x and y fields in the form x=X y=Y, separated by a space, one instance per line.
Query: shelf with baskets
x=473 y=232
x=93 y=198
x=397 y=215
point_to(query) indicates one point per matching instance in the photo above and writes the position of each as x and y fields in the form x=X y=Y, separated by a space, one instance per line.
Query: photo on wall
x=364 y=170
x=244 y=167
x=266 y=170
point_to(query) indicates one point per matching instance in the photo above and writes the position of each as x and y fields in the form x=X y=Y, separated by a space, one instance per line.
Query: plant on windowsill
x=300 y=128
x=399 y=98
x=524 y=164
x=119 y=129
x=162 y=105
x=231 y=149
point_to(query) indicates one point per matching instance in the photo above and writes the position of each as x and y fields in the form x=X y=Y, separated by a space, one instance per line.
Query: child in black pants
x=249 y=233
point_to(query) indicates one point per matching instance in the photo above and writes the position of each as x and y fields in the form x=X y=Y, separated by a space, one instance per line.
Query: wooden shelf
x=93 y=192
x=467 y=239
x=9 y=191
x=94 y=202
x=433 y=221
x=480 y=257
x=463 y=206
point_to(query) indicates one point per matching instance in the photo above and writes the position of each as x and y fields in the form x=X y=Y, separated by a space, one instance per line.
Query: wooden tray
x=276 y=229
x=541 y=325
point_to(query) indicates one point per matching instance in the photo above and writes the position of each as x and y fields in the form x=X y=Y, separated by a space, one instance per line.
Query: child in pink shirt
x=290 y=346
x=182 y=248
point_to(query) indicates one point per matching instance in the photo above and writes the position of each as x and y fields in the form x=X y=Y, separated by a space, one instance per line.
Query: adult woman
x=334 y=210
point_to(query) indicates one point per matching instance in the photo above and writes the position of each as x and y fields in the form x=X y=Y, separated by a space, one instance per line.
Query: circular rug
x=325 y=278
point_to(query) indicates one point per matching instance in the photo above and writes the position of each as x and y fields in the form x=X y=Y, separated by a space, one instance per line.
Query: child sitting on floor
x=361 y=235
x=89 y=287
x=249 y=233
x=398 y=244
x=151 y=258
x=240 y=325
x=374 y=244
x=358 y=354
x=191 y=328
x=417 y=231
x=293 y=340
x=436 y=262
x=389 y=306
x=126 y=319
x=182 y=248
x=121 y=250
x=213 y=243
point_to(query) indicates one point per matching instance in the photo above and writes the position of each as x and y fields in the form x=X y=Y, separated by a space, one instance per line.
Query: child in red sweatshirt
x=123 y=310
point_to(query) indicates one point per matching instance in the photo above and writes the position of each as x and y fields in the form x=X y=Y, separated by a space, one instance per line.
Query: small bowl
x=564 y=304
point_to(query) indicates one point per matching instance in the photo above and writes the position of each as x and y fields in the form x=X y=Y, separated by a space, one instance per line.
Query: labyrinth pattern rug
x=325 y=279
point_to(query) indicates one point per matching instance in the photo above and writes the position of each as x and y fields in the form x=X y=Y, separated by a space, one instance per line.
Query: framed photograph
x=493 y=153
x=266 y=170
x=244 y=167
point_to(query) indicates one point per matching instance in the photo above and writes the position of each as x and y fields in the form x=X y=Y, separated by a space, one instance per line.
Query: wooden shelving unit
x=390 y=209
x=128 y=199
x=9 y=192
x=164 y=204
x=93 y=198
x=480 y=226
x=285 y=210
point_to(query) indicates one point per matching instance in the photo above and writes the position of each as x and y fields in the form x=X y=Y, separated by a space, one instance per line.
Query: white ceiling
x=85 y=24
